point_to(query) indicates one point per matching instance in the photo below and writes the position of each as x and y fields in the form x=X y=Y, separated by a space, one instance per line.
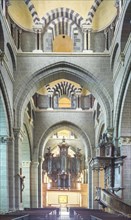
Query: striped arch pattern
x=33 y=12
x=92 y=11
x=62 y=26
x=63 y=88
x=62 y=12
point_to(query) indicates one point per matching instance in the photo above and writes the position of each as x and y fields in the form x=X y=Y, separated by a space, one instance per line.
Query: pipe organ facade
x=63 y=169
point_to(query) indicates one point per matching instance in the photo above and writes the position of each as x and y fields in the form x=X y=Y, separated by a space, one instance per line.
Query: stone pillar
x=18 y=165
x=38 y=30
x=26 y=190
x=34 y=184
x=126 y=169
x=90 y=187
x=40 y=186
x=4 y=183
x=78 y=94
x=106 y=40
x=19 y=39
x=69 y=180
x=89 y=38
x=11 y=170
x=95 y=183
x=86 y=176
x=50 y=95
x=86 y=28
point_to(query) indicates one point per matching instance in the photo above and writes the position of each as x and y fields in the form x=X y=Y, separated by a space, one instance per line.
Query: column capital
x=38 y=28
x=86 y=27
x=18 y=133
x=34 y=164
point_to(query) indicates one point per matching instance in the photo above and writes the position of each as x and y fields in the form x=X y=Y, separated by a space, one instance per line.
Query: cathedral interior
x=65 y=106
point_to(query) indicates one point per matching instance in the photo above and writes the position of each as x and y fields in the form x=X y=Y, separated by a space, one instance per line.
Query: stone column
x=95 y=183
x=106 y=40
x=4 y=183
x=26 y=190
x=69 y=180
x=89 y=38
x=78 y=94
x=18 y=165
x=34 y=184
x=86 y=28
x=40 y=185
x=50 y=95
x=90 y=187
x=11 y=170
x=19 y=39
x=38 y=30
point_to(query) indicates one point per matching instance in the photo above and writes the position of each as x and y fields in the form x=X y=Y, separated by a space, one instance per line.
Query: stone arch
x=125 y=120
x=126 y=28
x=62 y=26
x=4 y=133
x=100 y=131
x=1 y=39
x=114 y=55
x=120 y=103
x=7 y=105
x=12 y=56
x=57 y=71
x=62 y=12
x=123 y=132
x=69 y=126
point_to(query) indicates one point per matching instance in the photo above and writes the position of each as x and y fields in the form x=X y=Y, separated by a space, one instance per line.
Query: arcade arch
x=65 y=71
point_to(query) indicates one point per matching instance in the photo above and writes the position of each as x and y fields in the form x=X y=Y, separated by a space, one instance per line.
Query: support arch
x=39 y=152
x=68 y=71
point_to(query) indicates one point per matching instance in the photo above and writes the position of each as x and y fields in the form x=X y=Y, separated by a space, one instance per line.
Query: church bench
x=14 y=217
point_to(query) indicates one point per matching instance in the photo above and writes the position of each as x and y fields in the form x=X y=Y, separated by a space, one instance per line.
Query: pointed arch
x=68 y=71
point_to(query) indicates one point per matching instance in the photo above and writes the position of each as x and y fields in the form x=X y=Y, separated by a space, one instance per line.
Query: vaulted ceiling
x=26 y=13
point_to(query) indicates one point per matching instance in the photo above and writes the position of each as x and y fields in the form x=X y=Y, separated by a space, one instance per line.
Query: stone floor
x=64 y=215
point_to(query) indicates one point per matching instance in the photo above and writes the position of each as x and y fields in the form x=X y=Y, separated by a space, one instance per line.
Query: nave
x=63 y=213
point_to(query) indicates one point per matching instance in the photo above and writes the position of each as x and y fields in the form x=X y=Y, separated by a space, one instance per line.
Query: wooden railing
x=113 y=202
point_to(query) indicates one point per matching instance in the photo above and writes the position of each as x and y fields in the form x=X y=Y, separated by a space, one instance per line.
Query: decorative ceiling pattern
x=63 y=88
x=27 y=13
x=32 y=11
x=92 y=11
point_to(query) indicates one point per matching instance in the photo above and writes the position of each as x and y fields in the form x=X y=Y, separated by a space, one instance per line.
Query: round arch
x=69 y=126
x=62 y=70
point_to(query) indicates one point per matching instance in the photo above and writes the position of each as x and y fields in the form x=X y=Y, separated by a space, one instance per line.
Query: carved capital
x=86 y=27
x=126 y=140
x=37 y=28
